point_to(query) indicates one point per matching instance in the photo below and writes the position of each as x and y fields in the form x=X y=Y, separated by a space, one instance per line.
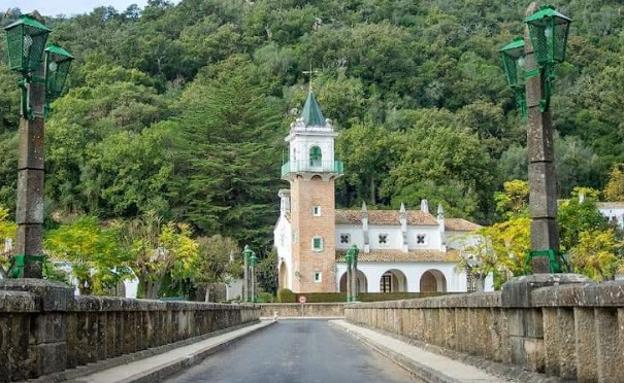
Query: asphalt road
x=306 y=351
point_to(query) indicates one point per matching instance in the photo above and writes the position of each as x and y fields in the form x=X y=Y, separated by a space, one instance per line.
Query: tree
x=7 y=231
x=160 y=252
x=575 y=217
x=227 y=176
x=514 y=199
x=218 y=260
x=595 y=254
x=97 y=260
x=614 y=191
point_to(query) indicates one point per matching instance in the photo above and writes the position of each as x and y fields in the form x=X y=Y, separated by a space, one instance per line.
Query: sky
x=66 y=7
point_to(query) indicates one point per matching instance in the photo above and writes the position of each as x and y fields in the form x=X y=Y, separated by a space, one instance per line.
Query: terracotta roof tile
x=460 y=224
x=609 y=205
x=399 y=256
x=384 y=217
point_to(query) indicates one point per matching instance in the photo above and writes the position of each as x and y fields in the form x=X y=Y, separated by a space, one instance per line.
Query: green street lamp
x=43 y=80
x=26 y=40
x=58 y=61
x=529 y=68
x=549 y=31
x=513 y=59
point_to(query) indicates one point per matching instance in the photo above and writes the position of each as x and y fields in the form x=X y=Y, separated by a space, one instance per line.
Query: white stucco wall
x=356 y=233
x=614 y=212
x=455 y=279
x=282 y=239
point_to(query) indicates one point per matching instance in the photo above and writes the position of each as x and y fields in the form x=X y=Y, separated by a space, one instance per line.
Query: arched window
x=316 y=157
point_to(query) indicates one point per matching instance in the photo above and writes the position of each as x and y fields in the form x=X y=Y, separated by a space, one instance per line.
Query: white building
x=400 y=251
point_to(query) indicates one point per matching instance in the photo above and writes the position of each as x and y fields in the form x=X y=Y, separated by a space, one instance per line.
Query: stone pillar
x=526 y=325
x=30 y=175
x=47 y=349
x=542 y=182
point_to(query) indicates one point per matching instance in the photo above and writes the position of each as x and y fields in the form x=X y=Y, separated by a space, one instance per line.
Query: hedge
x=287 y=296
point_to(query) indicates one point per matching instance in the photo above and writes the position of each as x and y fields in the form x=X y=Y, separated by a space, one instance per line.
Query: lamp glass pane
x=15 y=47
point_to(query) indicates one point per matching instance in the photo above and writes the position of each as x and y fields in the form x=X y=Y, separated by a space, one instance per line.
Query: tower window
x=383 y=239
x=316 y=211
x=345 y=238
x=317 y=244
x=316 y=156
x=318 y=277
x=421 y=239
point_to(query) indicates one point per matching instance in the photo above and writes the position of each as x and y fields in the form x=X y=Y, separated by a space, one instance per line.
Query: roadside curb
x=180 y=358
x=420 y=371
x=304 y=318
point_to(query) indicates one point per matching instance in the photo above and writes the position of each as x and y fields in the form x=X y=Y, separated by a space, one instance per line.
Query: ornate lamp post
x=251 y=260
x=26 y=41
x=544 y=46
x=351 y=259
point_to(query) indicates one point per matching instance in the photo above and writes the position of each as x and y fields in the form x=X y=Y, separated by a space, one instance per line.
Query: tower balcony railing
x=313 y=166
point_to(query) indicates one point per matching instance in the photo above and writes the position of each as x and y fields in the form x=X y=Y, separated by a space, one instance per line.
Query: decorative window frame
x=316 y=211
x=386 y=241
x=317 y=249
x=425 y=241
x=347 y=235
x=318 y=277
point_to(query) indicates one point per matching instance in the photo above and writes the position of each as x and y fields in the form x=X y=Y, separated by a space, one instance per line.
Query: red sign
x=302 y=299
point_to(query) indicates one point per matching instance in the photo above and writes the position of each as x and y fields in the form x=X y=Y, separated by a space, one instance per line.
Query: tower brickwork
x=311 y=172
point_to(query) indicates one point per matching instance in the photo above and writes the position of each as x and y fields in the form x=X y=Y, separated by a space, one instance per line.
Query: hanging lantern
x=512 y=56
x=26 y=40
x=549 y=31
x=58 y=61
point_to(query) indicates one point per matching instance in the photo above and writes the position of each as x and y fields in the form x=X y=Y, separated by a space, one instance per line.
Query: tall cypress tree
x=228 y=141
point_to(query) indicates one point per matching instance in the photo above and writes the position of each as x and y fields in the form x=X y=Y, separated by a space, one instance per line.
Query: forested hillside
x=181 y=110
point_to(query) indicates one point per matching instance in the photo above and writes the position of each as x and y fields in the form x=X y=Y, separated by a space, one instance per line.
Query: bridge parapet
x=569 y=331
x=45 y=329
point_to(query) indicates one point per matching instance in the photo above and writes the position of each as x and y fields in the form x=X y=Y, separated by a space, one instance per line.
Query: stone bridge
x=537 y=329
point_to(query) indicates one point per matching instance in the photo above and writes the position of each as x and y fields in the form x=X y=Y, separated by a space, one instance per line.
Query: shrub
x=265 y=298
x=286 y=296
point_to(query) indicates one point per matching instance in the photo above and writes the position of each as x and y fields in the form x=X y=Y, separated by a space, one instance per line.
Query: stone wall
x=569 y=331
x=45 y=329
x=285 y=310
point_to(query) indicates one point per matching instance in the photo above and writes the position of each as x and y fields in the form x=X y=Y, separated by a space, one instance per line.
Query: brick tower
x=311 y=171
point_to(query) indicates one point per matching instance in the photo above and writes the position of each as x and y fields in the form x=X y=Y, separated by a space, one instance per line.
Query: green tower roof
x=311 y=114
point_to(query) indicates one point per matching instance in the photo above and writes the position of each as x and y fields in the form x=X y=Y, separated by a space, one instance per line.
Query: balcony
x=336 y=167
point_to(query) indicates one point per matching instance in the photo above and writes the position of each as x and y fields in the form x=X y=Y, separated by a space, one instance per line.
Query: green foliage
x=575 y=217
x=218 y=260
x=614 y=190
x=265 y=297
x=514 y=199
x=181 y=109
x=266 y=273
x=98 y=262
x=596 y=254
x=286 y=296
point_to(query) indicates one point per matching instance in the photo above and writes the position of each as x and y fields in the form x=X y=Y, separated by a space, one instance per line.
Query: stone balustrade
x=45 y=329
x=575 y=332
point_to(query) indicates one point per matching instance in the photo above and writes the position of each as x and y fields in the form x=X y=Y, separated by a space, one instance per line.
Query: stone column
x=48 y=344
x=542 y=182
x=30 y=173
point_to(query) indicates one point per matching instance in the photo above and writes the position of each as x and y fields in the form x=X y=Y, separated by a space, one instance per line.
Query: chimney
x=442 y=226
x=403 y=221
x=365 y=227
x=424 y=206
